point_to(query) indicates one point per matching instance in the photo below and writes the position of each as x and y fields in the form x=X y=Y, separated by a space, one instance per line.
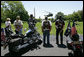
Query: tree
x=59 y=14
x=13 y=8
x=80 y=13
x=78 y=16
x=3 y=11
x=39 y=19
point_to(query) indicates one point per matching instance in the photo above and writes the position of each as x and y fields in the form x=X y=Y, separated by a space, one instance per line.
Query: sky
x=43 y=7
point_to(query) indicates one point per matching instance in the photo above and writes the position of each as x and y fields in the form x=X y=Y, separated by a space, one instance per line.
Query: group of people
x=46 y=27
x=18 y=24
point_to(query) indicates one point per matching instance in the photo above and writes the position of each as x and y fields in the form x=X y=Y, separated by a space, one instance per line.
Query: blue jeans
x=46 y=33
x=18 y=32
x=61 y=36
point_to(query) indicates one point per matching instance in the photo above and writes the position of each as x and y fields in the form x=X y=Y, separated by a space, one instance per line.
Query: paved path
x=44 y=51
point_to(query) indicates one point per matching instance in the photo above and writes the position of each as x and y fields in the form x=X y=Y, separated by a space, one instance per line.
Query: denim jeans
x=18 y=32
x=61 y=36
x=46 y=33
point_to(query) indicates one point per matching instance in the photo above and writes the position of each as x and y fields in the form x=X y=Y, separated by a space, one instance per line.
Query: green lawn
x=53 y=31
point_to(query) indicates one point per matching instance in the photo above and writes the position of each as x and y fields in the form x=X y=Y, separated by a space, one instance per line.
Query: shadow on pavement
x=62 y=46
x=70 y=54
x=48 y=45
x=22 y=51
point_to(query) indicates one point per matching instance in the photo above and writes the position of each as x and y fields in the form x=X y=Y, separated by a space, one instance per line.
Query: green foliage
x=53 y=30
x=51 y=19
x=38 y=20
x=78 y=16
x=10 y=9
x=59 y=14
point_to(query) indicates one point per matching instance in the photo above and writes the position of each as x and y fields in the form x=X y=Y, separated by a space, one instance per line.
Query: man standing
x=18 y=25
x=8 y=23
x=59 y=29
x=8 y=26
x=31 y=22
x=46 y=28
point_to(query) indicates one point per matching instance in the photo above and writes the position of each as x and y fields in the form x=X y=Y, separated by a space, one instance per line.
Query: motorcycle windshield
x=28 y=31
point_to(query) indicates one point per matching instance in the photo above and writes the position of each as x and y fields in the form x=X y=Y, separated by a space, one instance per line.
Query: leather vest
x=46 y=25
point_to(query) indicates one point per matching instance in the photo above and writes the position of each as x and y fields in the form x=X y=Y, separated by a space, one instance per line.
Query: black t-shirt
x=31 y=23
x=59 y=23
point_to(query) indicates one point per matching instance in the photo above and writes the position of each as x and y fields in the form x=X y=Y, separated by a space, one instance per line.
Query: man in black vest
x=59 y=29
x=46 y=28
x=31 y=22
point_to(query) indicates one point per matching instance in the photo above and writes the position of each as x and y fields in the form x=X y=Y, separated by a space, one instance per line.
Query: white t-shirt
x=49 y=22
x=18 y=23
x=7 y=23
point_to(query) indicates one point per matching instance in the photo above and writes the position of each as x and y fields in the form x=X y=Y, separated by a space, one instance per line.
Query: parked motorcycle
x=19 y=41
x=74 y=42
x=5 y=33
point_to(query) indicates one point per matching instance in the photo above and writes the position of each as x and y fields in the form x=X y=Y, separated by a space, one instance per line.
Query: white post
x=34 y=12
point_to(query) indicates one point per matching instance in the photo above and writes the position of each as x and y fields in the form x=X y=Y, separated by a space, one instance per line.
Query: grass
x=53 y=31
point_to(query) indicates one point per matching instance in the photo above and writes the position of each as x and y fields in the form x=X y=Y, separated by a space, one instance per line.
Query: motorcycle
x=19 y=41
x=5 y=33
x=3 y=40
x=74 y=42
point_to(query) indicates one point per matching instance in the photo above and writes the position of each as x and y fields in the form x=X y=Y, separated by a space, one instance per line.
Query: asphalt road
x=52 y=50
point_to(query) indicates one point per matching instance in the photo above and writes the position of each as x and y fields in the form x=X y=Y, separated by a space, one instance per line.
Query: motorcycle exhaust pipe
x=20 y=47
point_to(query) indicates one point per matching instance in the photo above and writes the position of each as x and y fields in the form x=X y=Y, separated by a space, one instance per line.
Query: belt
x=46 y=29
